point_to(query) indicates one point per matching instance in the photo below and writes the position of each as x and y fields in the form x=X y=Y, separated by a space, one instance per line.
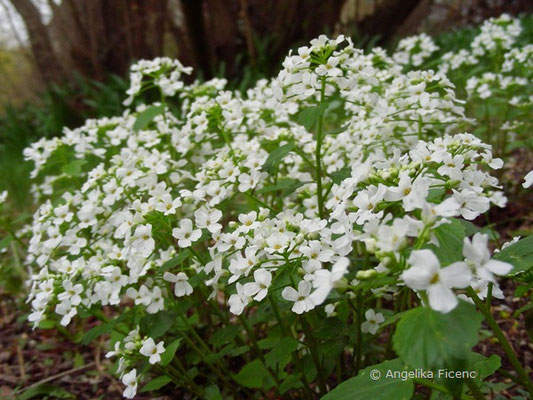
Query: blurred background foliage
x=67 y=60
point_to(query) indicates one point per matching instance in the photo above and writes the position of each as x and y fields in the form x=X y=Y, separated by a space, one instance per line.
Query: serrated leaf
x=224 y=335
x=484 y=366
x=428 y=339
x=363 y=387
x=170 y=351
x=96 y=332
x=252 y=375
x=340 y=175
x=287 y=185
x=182 y=256
x=520 y=254
x=43 y=390
x=212 y=393
x=275 y=157
x=145 y=117
x=73 y=168
x=281 y=353
x=156 y=383
x=156 y=325
x=450 y=237
x=310 y=115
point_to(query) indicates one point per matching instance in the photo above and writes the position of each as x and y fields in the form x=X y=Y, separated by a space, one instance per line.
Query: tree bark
x=45 y=58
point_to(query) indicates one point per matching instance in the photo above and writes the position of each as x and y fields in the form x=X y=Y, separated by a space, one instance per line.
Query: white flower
x=371 y=325
x=316 y=255
x=326 y=280
x=302 y=302
x=208 y=219
x=528 y=180
x=130 y=380
x=259 y=288
x=152 y=350
x=185 y=234
x=426 y=274
x=142 y=241
x=238 y=301
x=71 y=293
x=182 y=286
x=477 y=256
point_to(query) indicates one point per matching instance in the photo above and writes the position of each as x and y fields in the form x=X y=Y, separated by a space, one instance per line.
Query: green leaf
x=73 y=168
x=310 y=115
x=293 y=381
x=281 y=353
x=95 y=332
x=145 y=117
x=288 y=185
x=450 y=237
x=251 y=375
x=212 y=393
x=43 y=390
x=182 y=256
x=156 y=383
x=156 y=325
x=5 y=242
x=224 y=335
x=170 y=351
x=340 y=175
x=363 y=387
x=484 y=366
x=276 y=156
x=520 y=254
x=427 y=339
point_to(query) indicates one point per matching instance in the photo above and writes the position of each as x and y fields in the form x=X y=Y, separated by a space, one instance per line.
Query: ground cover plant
x=295 y=239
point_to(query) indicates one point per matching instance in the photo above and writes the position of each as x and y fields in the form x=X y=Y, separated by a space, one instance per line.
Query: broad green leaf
x=156 y=325
x=281 y=353
x=212 y=393
x=428 y=339
x=276 y=156
x=73 y=168
x=5 y=242
x=293 y=381
x=43 y=390
x=287 y=185
x=520 y=254
x=182 y=256
x=170 y=351
x=156 y=383
x=340 y=175
x=310 y=115
x=145 y=117
x=376 y=383
x=484 y=366
x=96 y=332
x=252 y=375
x=450 y=237
x=224 y=335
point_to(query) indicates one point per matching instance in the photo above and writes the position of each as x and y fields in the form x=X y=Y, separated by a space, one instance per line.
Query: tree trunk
x=45 y=58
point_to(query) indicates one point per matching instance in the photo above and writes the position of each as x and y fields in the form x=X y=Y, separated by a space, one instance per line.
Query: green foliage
x=520 y=254
x=373 y=383
x=428 y=339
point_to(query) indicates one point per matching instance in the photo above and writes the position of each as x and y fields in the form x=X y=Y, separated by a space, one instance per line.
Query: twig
x=57 y=376
x=20 y=359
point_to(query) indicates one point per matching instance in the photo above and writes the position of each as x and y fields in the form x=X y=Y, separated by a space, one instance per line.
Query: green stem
x=502 y=339
x=318 y=154
x=257 y=350
x=435 y=386
x=294 y=355
x=310 y=341
x=474 y=389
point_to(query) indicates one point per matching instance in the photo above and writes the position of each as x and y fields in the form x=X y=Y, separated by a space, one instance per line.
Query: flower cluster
x=339 y=171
